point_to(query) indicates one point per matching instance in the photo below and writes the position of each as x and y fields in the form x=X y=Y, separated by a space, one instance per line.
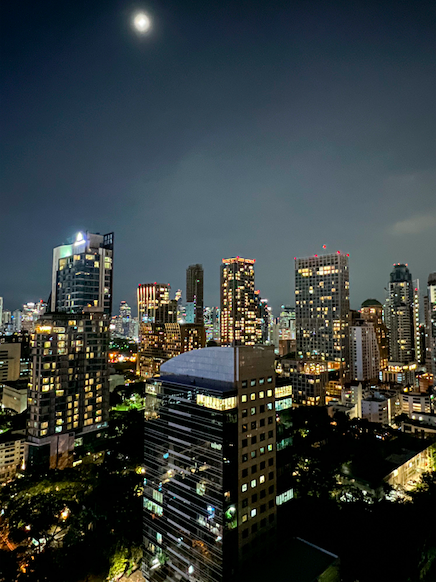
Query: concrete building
x=322 y=309
x=12 y=454
x=10 y=354
x=210 y=460
x=308 y=380
x=82 y=274
x=160 y=342
x=364 y=352
x=399 y=373
x=239 y=319
x=379 y=408
x=372 y=311
x=69 y=389
x=15 y=395
x=416 y=403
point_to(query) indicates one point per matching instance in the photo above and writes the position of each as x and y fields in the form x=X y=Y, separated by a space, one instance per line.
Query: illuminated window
x=253 y=483
x=253 y=512
x=253 y=396
x=244 y=487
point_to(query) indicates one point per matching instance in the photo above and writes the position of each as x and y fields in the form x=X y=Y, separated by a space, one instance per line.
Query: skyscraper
x=372 y=310
x=399 y=315
x=322 y=308
x=431 y=325
x=194 y=290
x=364 y=352
x=210 y=458
x=82 y=274
x=239 y=319
x=154 y=304
x=69 y=385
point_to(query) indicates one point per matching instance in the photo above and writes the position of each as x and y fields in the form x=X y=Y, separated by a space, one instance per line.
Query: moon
x=142 y=22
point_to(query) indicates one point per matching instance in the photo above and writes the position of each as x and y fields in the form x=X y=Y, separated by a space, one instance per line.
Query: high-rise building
x=82 y=274
x=69 y=385
x=322 y=309
x=154 y=304
x=399 y=315
x=416 y=322
x=239 y=319
x=372 y=311
x=1 y=313
x=431 y=326
x=194 y=290
x=210 y=459
x=364 y=352
x=159 y=342
x=212 y=323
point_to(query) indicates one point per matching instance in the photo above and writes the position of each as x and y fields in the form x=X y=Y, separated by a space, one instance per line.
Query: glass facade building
x=82 y=274
x=210 y=470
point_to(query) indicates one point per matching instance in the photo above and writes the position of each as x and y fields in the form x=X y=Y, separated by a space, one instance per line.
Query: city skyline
x=273 y=129
x=131 y=299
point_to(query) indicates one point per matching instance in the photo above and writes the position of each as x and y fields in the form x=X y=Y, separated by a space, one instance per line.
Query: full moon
x=141 y=22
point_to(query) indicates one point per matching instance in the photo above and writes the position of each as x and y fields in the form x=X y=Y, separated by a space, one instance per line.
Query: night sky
x=263 y=129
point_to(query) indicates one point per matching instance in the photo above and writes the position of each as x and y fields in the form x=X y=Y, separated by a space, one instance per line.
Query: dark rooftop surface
x=296 y=561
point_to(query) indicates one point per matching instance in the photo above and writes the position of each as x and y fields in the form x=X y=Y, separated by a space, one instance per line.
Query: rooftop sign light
x=79 y=238
x=239 y=260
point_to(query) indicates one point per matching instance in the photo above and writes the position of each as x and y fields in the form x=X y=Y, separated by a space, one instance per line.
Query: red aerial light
x=316 y=255
x=339 y=252
x=348 y=254
x=295 y=258
x=324 y=246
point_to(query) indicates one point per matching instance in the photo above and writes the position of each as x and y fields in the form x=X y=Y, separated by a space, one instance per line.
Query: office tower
x=210 y=459
x=364 y=353
x=154 y=304
x=399 y=315
x=194 y=290
x=239 y=312
x=322 y=309
x=69 y=385
x=431 y=326
x=82 y=274
x=372 y=311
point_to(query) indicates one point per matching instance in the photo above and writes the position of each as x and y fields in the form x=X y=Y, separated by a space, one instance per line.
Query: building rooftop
x=371 y=303
x=212 y=363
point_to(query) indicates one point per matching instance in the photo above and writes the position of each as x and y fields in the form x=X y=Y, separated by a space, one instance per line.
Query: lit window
x=253 y=512
x=262 y=394
x=244 y=517
x=253 y=396
x=269 y=393
x=253 y=483
x=244 y=398
x=244 y=487
x=262 y=479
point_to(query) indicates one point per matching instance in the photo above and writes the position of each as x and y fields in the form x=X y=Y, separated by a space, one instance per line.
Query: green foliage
x=84 y=521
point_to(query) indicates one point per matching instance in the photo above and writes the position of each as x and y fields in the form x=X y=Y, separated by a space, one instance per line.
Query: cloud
x=415 y=224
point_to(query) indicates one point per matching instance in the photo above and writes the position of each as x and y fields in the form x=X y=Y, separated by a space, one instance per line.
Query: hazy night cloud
x=415 y=224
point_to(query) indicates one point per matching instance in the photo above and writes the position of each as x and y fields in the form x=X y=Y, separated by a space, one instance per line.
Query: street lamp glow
x=141 y=22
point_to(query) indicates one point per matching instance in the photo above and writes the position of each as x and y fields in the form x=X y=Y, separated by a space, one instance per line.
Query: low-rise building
x=308 y=380
x=416 y=402
x=12 y=453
